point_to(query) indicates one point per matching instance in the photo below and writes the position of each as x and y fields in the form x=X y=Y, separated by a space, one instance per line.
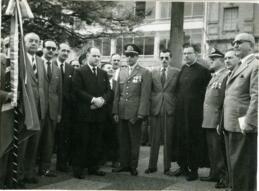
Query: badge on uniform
x=216 y=85
x=136 y=79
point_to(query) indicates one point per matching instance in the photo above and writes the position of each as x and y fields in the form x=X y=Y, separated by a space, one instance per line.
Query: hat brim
x=216 y=56
x=131 y=52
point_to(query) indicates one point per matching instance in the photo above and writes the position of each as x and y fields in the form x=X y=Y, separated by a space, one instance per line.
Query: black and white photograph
x=129 y=95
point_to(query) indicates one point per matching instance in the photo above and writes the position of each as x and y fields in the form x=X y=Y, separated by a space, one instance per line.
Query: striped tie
x=33 y=61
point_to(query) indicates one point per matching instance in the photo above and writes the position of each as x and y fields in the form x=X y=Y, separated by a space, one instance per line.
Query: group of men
x=50 y=78
x=202 y=119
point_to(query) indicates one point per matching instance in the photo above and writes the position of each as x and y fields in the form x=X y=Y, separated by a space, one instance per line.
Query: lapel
x=169 y=76
x=241 y=68
x=157 y=76
x=54 y=68
x=99 y=75
x=29 y=66
x=89 y=73
x=41 y=69
x=134 y=72
x=213 y=79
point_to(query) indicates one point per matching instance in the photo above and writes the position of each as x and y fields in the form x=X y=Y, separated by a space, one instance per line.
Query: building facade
x=205 y=23
x=225 y=20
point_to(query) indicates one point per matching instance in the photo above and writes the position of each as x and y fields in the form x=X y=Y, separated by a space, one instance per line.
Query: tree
x=177 y=32
x=64 y=20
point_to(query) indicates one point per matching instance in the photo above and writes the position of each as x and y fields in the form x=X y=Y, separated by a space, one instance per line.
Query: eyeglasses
x=116 y=60
x=162 y=57
x=51 y=48
x=76 y=66
x=238 y=42
x=130 y=55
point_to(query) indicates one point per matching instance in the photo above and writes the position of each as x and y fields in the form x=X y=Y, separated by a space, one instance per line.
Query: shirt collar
x=161 y=69
x=45 y=60
x=59 y=63
x=91 y=67
x=133 y=67
x=219 y=71
x=189 y=65
x=30 y=56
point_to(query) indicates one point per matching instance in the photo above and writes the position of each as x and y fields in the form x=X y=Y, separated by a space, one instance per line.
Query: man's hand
x=59 y=118
x=136 y=119
x=9 y=96
x=243 y=132
x=133 y=120
x=116 y=118
x=93 y=107
x=98 y=101
x=219 y=130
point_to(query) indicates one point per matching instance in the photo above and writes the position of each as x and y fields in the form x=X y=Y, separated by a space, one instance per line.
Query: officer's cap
x=215 y=53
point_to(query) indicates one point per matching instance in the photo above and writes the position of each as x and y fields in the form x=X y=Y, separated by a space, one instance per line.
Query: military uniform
x=131 y=104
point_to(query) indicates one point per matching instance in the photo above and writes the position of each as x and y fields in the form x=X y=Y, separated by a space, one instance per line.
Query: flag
x=26 y=120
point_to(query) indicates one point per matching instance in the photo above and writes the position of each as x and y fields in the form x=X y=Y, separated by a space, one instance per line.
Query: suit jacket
x=86 y=86
x=214 y=98
x=132 y=93
x=163 y=98
x=241 y=97
x=53 y=92
x=67 y=99
x=38 y=86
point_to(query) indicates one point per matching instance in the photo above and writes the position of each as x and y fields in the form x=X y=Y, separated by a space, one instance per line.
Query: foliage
x=64 y=20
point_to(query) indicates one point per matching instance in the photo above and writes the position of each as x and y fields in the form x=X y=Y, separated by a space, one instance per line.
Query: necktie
x=34 y=67
x=94 y=71
x=163 y=76
x=49 y=70
x=62 y=71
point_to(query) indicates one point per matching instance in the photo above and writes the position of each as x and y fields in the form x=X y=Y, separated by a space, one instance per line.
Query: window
x=193 y=36
x=139 y=41
x=104 y=45
x=165 y=10
x=149 y=46
x=230 y=19
x=146 y=44
x=119 y=46
x=140 y=8
x=193 y=9
x=150 y=9
x=106 y=49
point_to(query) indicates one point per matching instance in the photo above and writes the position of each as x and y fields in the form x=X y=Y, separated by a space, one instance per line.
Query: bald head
x=244 y=44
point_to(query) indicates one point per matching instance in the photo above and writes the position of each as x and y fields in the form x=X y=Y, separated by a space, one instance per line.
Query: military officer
x=130 y=107
x=212 y=108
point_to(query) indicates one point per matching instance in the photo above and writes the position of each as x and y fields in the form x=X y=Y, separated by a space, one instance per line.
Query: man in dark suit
x=110 y=134
x=162 y=108
x=190 y=142
x=212 y=108
x=130 y=107
x=64 y=128
x=92 y=92
x=241 y=116
x=53 y=100
x=35 y=70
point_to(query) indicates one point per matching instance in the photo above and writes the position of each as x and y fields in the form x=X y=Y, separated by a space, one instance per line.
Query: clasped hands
x=97 y=102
